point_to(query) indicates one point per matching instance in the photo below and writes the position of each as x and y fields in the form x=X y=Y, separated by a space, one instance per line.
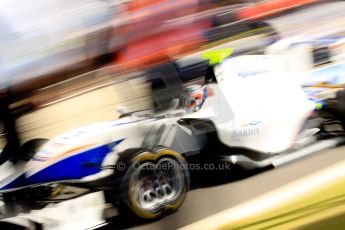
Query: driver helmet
x=193 y=97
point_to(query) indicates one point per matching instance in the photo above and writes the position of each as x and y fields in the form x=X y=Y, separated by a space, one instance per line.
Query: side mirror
x=121 y=109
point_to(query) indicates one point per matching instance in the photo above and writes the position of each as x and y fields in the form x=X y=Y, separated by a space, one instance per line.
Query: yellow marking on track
x=299 y=204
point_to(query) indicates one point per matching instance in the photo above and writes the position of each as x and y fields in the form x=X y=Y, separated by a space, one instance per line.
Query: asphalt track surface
x=210 y=195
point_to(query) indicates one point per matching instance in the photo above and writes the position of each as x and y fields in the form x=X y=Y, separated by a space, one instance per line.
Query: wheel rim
x=154 y=185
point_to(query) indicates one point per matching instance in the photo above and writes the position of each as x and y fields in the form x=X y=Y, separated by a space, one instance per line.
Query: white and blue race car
x=247 y=114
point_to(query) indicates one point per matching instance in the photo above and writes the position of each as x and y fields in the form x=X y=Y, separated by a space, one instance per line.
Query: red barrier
x=269 y=8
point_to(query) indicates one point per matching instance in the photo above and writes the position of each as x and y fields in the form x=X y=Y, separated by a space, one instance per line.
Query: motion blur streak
x=269 y=8
x=301 y=204
x=66 y=64
x=37 y=39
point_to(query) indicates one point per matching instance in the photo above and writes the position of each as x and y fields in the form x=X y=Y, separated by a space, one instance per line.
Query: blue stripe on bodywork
x=17 y=182
x=74 y=167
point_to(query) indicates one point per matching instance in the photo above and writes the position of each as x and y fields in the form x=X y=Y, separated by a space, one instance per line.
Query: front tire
x=26 y=153
x=155 y=183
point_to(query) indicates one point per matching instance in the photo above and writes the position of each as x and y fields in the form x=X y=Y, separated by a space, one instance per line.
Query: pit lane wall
x=82 y=109
x=316 y=201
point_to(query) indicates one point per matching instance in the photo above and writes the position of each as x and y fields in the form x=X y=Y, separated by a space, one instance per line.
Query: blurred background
x=69 y=63
x=60 y=52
